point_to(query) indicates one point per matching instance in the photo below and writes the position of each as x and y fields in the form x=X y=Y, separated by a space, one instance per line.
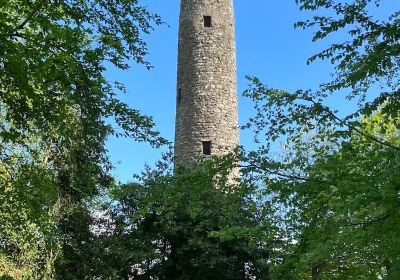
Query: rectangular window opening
x=206 y=148
x=179 y=96
x=207 y=21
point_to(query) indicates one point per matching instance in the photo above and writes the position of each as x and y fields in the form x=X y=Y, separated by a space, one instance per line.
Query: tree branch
x=283 y=175
x=24 y=22
x=377 y=219
x=351 y=127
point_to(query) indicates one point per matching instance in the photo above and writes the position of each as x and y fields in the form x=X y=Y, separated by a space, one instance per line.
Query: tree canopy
x=318 y=197
x=56 y=111
x=337 y=174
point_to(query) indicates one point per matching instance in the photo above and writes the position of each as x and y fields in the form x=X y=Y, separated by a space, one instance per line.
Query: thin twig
x=377 y=219
x=280 y=174
x=24 y=22
x=341 y=121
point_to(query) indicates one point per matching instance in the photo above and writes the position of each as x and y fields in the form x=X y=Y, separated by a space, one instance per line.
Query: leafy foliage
x=329 y=205
x=55 y=112
x=337 y=175
x=194 y=225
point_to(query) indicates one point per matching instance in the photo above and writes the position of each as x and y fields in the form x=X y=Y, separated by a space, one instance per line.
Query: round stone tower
x=206 y=114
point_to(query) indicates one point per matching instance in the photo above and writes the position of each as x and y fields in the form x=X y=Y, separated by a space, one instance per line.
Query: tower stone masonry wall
x=206 y=86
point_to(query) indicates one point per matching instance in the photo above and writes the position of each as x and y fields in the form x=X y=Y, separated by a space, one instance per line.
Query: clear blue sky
x=268 y=47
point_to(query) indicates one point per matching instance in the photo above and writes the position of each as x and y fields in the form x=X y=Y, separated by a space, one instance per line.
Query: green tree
x=56 y=107
x=353 y=208
x=192 y=225
x=344 y=210
x=336 y=175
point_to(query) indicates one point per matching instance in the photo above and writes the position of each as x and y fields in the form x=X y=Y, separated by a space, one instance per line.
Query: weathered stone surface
x=206 y=86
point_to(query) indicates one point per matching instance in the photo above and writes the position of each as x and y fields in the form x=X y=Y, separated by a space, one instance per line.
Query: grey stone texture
x=206 y=86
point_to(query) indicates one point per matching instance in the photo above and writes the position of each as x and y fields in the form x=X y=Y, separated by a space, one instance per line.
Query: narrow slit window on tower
x=179 y=96
x=206 y=148
x=207 y=21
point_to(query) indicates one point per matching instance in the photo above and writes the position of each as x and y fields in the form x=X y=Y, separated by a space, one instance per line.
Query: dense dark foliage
x=194 y=225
